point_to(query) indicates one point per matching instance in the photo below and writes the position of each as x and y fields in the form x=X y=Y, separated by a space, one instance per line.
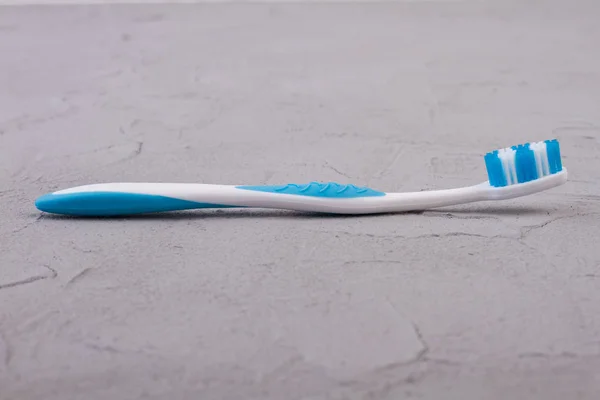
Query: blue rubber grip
x=106 y=204
x=317 y=189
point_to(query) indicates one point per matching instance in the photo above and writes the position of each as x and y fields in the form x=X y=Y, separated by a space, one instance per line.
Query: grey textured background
x=494 y=301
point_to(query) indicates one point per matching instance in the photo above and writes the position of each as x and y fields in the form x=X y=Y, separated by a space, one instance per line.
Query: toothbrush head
x=523 y=163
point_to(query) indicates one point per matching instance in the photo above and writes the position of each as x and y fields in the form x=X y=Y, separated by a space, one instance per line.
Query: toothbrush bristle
x=523 y=163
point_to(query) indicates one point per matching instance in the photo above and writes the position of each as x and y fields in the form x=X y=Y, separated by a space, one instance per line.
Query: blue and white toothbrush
x=512 y=172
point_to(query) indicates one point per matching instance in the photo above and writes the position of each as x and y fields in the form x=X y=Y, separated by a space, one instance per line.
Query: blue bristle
x=494 y=169
x=525 y=164
x=554 y=161
x=490 y=169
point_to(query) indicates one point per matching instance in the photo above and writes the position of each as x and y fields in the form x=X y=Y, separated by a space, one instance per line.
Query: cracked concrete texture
x=489 y=300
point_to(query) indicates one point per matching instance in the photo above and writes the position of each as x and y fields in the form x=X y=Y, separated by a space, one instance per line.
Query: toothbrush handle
x=114 y=199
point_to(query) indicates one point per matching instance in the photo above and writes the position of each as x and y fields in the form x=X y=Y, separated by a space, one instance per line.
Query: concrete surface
x=494 y=301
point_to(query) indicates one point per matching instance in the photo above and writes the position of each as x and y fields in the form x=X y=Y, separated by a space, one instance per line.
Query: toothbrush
x=512 y=172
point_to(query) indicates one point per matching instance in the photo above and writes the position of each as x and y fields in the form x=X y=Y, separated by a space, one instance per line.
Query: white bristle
x=535 y=147
x=541 y=158
x=544 y=157
x=502 y=157
x=513 y=157
x=507 y=157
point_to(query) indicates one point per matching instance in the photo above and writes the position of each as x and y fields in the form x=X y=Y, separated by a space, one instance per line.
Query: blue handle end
x=107 y=204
